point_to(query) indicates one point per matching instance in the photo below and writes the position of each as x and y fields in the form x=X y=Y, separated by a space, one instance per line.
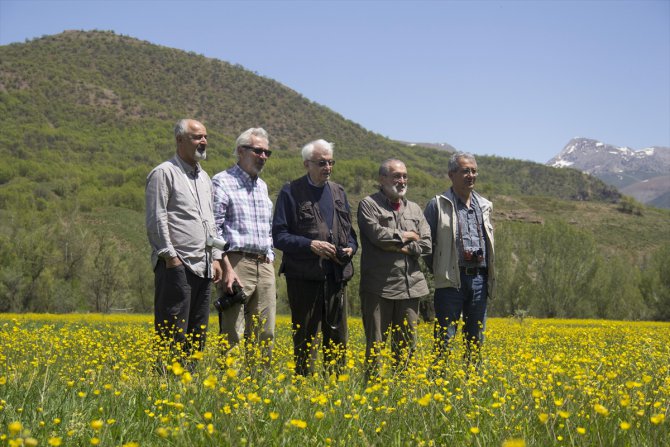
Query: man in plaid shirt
x=243 y=218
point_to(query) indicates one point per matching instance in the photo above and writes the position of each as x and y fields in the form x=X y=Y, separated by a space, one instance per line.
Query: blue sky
x=517 y=79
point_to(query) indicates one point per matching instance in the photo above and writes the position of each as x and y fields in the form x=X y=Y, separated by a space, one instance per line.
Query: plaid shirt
x=243 y=211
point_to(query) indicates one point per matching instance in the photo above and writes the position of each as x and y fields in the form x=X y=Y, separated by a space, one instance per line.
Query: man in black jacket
x=312 y=227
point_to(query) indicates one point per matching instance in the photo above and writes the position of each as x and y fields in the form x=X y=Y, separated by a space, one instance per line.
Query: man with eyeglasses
x=394 y=235
x=179 y=221
x=463 y=257
x=312 y=227
x=243 y=217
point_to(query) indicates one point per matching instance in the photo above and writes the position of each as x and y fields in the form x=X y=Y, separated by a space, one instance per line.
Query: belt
x=253 y=256
x=474 y=271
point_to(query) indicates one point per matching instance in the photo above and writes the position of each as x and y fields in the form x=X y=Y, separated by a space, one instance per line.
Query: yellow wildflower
x=298 y=423
x=514 y=443
x=657 y=418
x=601 y=410
x=15 y=427
x=177 y=369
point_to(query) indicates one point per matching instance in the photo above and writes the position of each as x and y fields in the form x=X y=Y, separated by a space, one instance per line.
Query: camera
x=469 y=255
x=216 y=242
x=229 y=299
x=342 y=256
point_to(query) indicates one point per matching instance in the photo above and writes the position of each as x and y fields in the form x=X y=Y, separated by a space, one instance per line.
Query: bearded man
x=394 y=235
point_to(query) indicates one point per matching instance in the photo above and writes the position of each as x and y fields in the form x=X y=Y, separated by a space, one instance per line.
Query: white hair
x=245 y=138
x=309 y=148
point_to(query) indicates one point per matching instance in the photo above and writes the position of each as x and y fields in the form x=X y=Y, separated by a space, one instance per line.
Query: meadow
x=90 y=379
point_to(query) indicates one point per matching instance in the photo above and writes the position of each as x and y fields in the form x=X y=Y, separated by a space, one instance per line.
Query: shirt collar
x=403 y=200
x=242 y=175
x=311 y=183
x=474 y=204
x=193 y=170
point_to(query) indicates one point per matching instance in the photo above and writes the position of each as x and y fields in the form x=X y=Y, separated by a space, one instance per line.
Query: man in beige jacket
x=463 y=256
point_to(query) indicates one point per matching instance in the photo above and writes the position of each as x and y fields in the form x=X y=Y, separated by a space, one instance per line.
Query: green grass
x=86 y=379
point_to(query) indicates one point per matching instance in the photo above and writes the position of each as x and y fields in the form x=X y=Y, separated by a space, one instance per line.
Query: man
x=312 y=227
x=243 y=217
x=179 y=220
x=463 y=255
x=394 y=235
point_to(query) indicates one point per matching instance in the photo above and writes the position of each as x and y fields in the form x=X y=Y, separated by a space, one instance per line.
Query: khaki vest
x=445 y=254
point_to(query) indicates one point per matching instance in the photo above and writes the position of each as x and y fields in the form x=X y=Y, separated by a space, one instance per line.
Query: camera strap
x=459 y=226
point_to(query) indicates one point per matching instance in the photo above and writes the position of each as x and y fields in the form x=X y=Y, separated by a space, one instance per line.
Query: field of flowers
x=91 y=380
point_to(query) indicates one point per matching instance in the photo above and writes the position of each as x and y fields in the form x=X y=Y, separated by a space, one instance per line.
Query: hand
x=218 y=272
x=410 y=236
x=173 y=262
x=323 y=249
x=340 y=260
x=228 y=275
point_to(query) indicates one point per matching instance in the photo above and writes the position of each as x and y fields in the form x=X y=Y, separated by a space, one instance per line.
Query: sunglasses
x=258 y=150
x=323 y=163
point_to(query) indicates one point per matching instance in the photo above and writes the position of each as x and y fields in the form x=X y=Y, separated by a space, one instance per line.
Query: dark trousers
x=181 y=308
x=318 y=306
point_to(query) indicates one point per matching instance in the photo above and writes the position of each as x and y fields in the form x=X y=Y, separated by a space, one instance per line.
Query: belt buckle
x=256 y=257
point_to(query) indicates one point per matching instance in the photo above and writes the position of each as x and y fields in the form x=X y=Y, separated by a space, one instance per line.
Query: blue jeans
x=470 y=300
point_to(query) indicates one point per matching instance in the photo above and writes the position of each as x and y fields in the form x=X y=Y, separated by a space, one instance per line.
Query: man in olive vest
x=394 y=236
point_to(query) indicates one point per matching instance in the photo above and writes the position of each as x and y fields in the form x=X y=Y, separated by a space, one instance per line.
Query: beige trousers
x=255 y=320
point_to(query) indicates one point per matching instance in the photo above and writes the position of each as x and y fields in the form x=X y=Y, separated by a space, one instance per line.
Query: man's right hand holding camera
x=229 y=275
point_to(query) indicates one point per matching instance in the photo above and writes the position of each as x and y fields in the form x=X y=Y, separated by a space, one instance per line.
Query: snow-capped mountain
x=643 y=174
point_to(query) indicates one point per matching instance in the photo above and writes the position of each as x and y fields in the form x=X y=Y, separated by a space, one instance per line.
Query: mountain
x=643 y=174
x=98 y=108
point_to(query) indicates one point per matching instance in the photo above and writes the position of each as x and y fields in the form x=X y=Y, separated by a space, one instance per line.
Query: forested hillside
x=84 y=116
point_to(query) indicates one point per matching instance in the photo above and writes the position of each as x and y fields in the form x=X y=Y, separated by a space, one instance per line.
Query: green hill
x=84 y=116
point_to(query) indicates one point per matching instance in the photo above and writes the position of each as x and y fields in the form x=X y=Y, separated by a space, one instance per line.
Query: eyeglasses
x=397 y=176
x=471 y=171
x=198 y=137
x=323 y=163
x=258 y=150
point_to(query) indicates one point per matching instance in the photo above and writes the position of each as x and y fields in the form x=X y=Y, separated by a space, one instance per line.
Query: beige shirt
x=179 y=215
x=384 y=271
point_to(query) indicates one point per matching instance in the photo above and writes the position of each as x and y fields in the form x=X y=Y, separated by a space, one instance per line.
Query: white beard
x=394 y=193
x=200 y=156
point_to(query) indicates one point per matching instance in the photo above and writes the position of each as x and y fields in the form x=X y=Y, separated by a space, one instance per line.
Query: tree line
x=65 y=262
